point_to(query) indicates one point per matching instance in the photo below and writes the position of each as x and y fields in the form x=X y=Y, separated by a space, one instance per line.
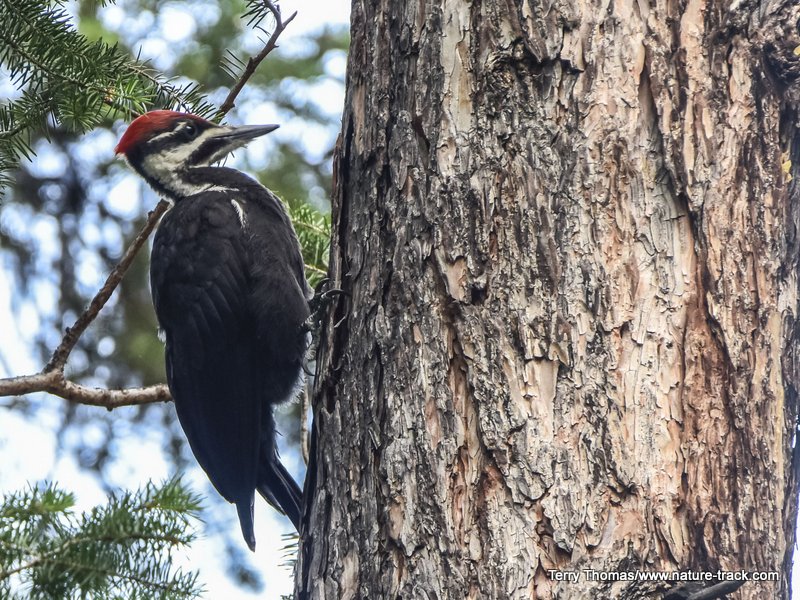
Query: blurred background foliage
x=67 y=215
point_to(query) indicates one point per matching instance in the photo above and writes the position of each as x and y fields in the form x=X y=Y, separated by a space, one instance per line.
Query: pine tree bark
x=569 y=235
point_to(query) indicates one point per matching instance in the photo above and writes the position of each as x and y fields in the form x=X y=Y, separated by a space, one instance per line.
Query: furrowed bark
x=569 y=235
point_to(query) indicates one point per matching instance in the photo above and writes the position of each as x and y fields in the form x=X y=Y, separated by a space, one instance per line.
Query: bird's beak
x=224 y=140
x=245 y=133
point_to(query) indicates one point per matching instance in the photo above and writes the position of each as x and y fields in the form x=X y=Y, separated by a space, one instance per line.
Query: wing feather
x=199 y=280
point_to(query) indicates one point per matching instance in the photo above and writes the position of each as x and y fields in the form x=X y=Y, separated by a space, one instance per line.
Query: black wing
x=279 y=303
x=200 y=286
x=278 y=295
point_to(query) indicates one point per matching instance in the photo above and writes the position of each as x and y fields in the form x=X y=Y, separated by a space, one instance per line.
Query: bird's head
x=163 y=145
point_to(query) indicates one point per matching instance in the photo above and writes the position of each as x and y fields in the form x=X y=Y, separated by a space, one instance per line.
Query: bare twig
x=253 y=62
x=51 y=379
x=717 y=591
x=697 y=591
x=54 y=383
x=59 y=358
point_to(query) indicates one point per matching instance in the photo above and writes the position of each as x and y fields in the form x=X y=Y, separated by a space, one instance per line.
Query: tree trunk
x=569 y=234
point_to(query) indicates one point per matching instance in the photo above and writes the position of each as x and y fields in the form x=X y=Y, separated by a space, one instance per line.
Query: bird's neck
x=176 y=185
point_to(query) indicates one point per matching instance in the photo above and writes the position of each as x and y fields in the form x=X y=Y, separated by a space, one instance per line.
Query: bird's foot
x=319 y=304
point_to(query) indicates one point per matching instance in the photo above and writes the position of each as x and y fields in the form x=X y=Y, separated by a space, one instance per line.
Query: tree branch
x=71 y=335
x=54 y=382
x=51 y=379
x=697 y=591
x=253 y=62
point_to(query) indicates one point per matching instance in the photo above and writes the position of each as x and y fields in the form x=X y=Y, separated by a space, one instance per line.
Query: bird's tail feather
x=279 y=489
x=245 y=510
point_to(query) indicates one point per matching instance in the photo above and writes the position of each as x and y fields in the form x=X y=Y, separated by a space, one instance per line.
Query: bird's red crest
x=148 y=124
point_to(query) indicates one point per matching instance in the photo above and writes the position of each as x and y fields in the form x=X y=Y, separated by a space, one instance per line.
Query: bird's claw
x=319 y=305
x=323 y=297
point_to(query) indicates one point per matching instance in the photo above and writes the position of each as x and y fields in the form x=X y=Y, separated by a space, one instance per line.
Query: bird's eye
x=190 y=131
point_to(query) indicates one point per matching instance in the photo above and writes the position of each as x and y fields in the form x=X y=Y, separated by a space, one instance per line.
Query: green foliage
x=121 y=550
x=314 y=232
x=63 y=76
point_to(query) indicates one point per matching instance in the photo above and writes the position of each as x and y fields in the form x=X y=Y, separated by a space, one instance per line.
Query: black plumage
x=230 y=293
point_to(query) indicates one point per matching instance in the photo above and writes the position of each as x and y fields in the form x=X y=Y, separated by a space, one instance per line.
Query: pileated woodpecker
x=231 y=298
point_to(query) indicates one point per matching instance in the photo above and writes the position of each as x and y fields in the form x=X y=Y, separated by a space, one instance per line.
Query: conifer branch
x=65 y=78
x=253 y=62
x=122 y=549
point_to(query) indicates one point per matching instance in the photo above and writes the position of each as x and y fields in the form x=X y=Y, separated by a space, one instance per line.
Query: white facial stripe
x=167 y=166
x=162 y=136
